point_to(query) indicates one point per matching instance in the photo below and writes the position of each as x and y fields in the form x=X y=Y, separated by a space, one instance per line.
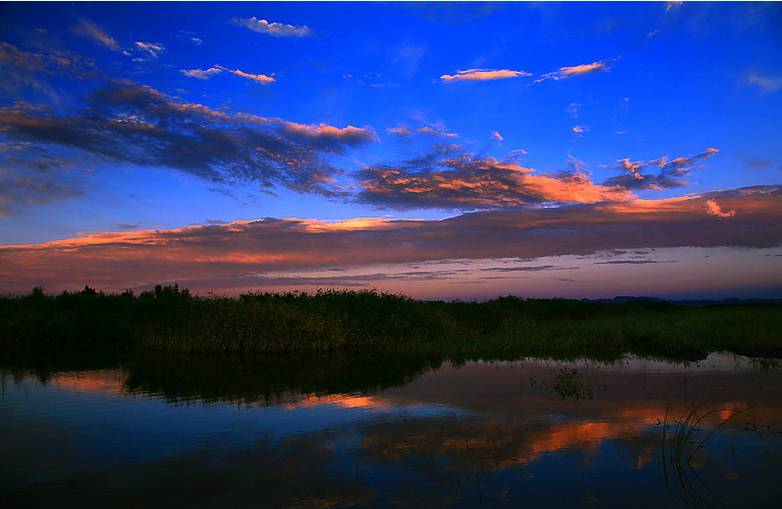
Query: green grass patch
x=170 y=319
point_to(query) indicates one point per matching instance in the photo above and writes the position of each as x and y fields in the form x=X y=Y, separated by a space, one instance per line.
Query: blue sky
x=596 y=103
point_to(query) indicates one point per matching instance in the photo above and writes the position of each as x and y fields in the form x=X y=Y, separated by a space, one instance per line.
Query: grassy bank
x=170 y=319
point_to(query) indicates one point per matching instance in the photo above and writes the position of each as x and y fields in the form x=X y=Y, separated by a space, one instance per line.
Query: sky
x=446 y=151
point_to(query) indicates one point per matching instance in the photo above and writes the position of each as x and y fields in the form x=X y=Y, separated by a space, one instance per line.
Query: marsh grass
x=680 y=447
x=171 y=319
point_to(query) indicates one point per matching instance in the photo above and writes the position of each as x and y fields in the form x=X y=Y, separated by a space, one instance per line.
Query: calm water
x=225 y=431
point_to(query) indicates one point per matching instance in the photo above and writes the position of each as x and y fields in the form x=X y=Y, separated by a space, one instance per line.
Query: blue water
x=179 y=432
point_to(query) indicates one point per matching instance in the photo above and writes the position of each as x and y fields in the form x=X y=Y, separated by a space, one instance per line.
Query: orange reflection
x=102 y=381
x=343 y=401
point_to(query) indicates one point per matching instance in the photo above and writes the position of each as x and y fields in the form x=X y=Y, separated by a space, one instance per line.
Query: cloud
x=90 y=30
x=326 y=134
x=53 y=62
x=437 y=129
x=204 y=74
x=670 y=172
x=152 y=50
x=576 y=70
x=758 y=163
x=19 y=190
x=263 y=26
x=232 y=254
x=579 y=130
x=447 y=178
x=496 y=136
x=574 y=109
x=136 y=124
x=633 y=262
x=483 y=75
x=190 y=37
x=764 y=83
x=672 y=5
x=713 y=208
x=127 y=226
x=263 y=79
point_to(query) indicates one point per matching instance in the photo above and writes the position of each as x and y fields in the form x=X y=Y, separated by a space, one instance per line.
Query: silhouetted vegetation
x=171 y=319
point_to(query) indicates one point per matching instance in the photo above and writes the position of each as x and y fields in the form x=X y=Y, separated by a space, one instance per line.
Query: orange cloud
x=575 y=70
x=238 y=255
x=466 y=182
x=713 y=208
x=483 y=75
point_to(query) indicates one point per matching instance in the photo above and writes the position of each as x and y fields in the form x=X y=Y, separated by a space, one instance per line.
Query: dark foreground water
x=232 y=431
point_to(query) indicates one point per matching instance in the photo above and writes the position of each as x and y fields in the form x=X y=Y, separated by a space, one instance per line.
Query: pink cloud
x=234 y=254
x=483 y=75
x=713 y=209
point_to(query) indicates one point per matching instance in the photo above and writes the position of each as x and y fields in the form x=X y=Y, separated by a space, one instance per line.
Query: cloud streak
x=483 y=75
x=575 y=70
x=151 y=49
x=90 y=30
x=205 y=74
x=764 y=83
x=437 y=129
x=263 y=26
x=235 y=253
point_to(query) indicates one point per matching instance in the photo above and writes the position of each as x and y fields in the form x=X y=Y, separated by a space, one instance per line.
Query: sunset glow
x=438 y=150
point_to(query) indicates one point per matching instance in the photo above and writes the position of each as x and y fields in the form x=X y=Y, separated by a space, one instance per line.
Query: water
x=233 y=431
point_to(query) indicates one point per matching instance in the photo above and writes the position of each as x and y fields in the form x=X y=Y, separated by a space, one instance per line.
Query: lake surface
x=238 y=431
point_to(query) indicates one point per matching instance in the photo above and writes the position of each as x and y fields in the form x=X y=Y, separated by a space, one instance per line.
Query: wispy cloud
x=483 y=75
x=263 y=26
x=496 y=136
x=24 y=72
x=90 y=30
x=52 y=62
x=151 y=49
x=764 y=82
x=576 y=70
x=19 y=190
x=437 y=129
x=671 y=172
x=673 y=5
x=263 y=79
x=190 y=37
x=203 y=74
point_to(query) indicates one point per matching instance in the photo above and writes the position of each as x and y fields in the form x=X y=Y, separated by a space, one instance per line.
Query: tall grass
x=170 y=319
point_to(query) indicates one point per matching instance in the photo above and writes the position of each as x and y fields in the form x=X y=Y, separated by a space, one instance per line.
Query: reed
x=171 y=319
